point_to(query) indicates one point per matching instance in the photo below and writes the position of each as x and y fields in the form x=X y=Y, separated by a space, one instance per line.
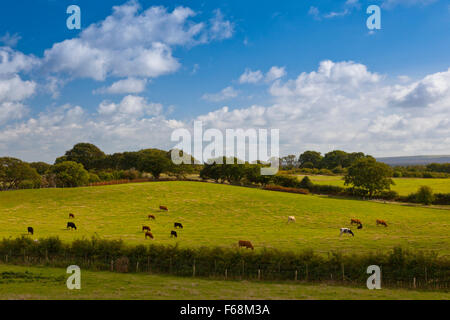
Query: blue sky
x=334 y=83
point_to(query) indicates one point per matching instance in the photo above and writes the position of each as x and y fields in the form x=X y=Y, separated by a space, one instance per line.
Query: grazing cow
x=173 y=234
x=355 y=221
x=178 y=225
x=150 y=216
x=164 y=208
x=71 y=215
x=382 y=222
x=145 y=228
x=346 y=230
x=247 y=244
x=148 y=234
x=291 y=219
x=360 y=226
x=30 y=230
x=71 y=225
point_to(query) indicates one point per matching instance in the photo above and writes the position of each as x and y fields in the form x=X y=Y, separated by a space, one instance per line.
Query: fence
x=400 y=268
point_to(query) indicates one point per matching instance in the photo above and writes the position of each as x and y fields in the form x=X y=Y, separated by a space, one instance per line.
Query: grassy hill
x=404 y=186
x=50 y=283
x=220 y=215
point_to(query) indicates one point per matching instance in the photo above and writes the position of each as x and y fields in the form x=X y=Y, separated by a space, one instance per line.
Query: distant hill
x=414 y=160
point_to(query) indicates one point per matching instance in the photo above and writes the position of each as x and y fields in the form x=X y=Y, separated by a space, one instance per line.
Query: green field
x=220 y=215
x=17 y=282
x=404 y=186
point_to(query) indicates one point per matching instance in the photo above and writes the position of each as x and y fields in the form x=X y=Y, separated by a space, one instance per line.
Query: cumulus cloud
x=130 y=85
x=224 y=94
x=12 y=62
x=340 y=105
x=132 y=42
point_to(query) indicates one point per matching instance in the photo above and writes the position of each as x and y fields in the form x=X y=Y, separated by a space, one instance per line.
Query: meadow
x=221 y=215
x=404 y=186
x=20 y=282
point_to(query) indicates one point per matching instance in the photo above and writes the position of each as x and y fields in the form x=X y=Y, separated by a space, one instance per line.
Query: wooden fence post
x=226 y=274
x=296 y=275
x=137 y=266
x=112 y=265
x=259 y=274
x=193 y=269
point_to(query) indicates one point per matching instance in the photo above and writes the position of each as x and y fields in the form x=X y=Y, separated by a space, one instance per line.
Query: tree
x=310 y=157
x=13 y=172
x=154 y=161
x=41 y=167
x=69 y=174
x=370 y=176
x=90 y=156
x=425 y=195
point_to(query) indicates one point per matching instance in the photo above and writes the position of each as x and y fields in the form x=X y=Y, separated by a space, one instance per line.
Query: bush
x=306 y=183
x=425 y=195
x=284 y=189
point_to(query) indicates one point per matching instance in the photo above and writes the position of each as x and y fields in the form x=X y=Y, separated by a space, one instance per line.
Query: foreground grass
x=404 y=186
x=220 y=215
x=18 y=282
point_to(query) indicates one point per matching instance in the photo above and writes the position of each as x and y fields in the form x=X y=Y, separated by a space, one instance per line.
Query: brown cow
x=148 y=234
x=71 y=215
x=382 y=222
x=150 y=216
x=247 y=244
x=357 y=221
x=145 y=228
x=163 y=208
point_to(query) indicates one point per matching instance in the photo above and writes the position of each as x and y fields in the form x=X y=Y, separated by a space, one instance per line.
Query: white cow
x=291 y=219
x=346 y=230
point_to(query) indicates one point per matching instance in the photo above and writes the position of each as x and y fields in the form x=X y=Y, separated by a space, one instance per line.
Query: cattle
x=178 y=225
x=71 y=225
x=30 y=230
x=360 y=226
x=71 y=215
x=146 y=228
x=148 y=234
x=164 y=208
x=150 y=216
x=355 y=221
x=346 y=230
x=291 y=219
x=382 y=222
x=173 y=234
x=246 y=244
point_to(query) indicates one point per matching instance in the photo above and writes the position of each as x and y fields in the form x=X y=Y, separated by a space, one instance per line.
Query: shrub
x=306 y=183
x=285 y=189
x=425 y=195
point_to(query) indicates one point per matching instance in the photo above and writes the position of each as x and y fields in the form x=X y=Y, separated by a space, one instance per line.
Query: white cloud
x=12 y=61
x=130 y=106
x=275 y=73
x=226 y=93
x=10 y=40
x=250 y=76
x=130 y=85
x=341 y=105
x=134 y=43
x=15 y=89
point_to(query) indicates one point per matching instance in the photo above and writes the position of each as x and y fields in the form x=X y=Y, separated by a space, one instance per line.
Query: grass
x=404 y=186
x=220 y=215
x=19 y=282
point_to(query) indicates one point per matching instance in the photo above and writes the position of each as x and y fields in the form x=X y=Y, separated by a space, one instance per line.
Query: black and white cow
x=346 y=230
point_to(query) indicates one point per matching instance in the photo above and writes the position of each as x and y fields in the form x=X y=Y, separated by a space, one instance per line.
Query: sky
x=138 y=70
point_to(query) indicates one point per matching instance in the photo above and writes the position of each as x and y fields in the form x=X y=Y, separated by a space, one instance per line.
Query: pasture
x=18 y=282
x=404 y=186
x=221 y=215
